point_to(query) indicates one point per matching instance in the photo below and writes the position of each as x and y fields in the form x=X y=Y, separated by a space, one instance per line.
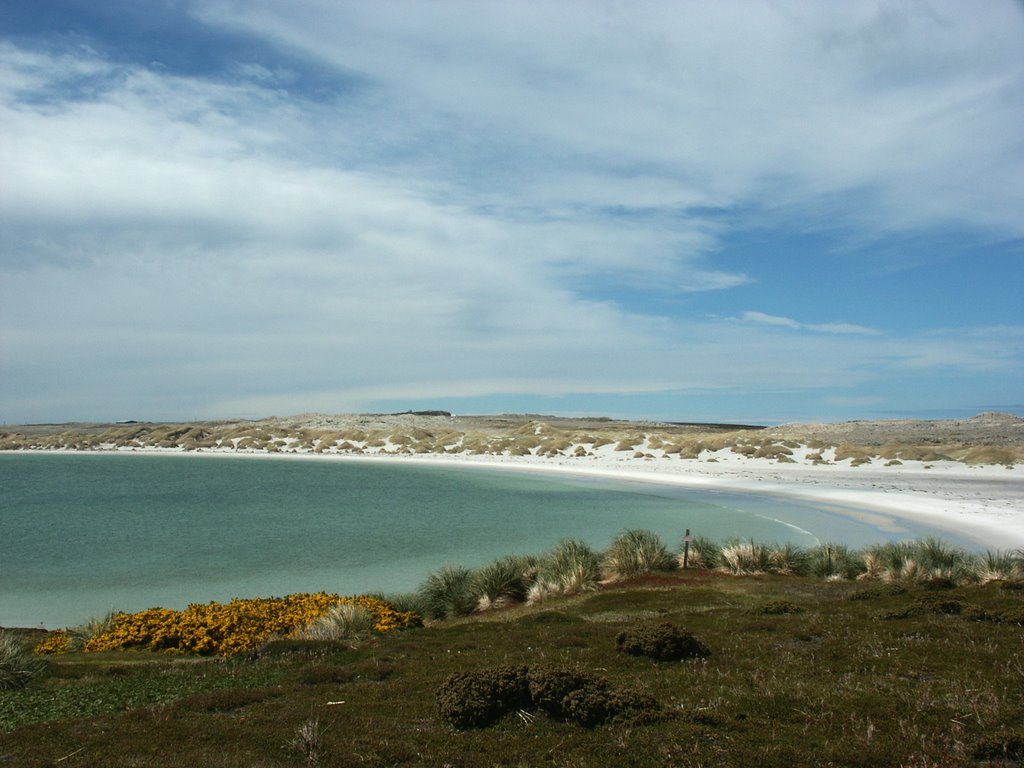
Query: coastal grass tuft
x=342 y=621
x=504 y=582
x=634 y=552
x=448 y=592
x=834 y=561
x=571 y=567
x=17 y=664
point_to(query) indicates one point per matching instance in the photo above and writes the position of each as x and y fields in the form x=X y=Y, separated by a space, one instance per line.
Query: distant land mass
x=988 y=438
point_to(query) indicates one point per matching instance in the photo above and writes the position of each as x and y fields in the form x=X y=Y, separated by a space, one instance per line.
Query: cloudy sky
x=744 y=211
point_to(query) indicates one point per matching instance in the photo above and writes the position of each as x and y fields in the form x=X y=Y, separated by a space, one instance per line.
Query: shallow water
x=86 y=533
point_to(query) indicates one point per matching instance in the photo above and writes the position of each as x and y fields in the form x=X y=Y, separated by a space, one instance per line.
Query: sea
x=82 y=534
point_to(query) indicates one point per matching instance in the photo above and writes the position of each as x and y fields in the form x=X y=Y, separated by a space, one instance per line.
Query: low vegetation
x=772 y=670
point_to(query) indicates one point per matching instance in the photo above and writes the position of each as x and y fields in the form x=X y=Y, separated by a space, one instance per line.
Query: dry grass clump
x=773 y=451
x=342 y=621
x=745 y=558
x=855 y=452
x=991 y=454
x=629 y=443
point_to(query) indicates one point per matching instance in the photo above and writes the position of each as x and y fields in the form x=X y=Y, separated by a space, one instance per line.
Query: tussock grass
x=17 y=664
x=634 y=552
x=448 y=593
x=835 y=561
x=746 y=558
x=704 y=553
x=916 y=561
x=571 y=567
x=1001 y=566
x=344 y=621
x=503 y=582
x=790 y=560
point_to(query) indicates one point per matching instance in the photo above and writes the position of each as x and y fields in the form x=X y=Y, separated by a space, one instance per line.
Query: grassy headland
x=912 y=665
x=845 y=675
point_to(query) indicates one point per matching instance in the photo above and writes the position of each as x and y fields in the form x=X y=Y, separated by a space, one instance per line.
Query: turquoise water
x=86 y=533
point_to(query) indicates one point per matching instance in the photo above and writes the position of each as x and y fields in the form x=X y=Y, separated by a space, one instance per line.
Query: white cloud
x=761 y=318
x=773 y=105
x=184 y=246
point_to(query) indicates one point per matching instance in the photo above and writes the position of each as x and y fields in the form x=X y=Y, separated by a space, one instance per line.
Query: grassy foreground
x=801 y=671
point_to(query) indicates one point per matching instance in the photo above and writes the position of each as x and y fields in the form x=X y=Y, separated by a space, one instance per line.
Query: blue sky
x=736 y=211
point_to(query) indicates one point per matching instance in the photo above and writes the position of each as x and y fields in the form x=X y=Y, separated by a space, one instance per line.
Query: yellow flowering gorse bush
x=225 y=629
x=55 y=642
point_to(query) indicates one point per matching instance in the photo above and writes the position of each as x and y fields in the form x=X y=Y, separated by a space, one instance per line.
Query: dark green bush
x=661 y=642
x=939 y=583
x=467 y=700
x=597 y=704
x=780 y=607
x=550 y=686
x=874 y=593
x=478 y=699
x=1006 y=748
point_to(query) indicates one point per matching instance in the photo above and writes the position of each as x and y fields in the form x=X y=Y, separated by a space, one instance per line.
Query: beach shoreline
x=981 y=504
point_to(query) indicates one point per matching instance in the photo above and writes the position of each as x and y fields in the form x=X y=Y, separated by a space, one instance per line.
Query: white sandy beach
x=980 y=504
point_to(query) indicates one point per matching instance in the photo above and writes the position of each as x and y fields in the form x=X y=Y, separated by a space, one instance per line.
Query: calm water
x=86 y=533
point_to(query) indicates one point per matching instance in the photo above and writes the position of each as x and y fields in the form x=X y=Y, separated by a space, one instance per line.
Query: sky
x=752 y=212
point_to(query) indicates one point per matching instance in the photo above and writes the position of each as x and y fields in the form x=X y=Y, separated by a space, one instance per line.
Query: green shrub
x=481 y=698
x=634 y=552
x=17 y=665
x=550 y=686
x=448 y=592
x=661 y=642
x=478 y=699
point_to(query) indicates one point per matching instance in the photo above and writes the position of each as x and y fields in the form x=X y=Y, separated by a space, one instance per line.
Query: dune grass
x=634 y=552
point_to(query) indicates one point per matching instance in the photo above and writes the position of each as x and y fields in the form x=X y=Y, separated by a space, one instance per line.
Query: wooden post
x=686 y=549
